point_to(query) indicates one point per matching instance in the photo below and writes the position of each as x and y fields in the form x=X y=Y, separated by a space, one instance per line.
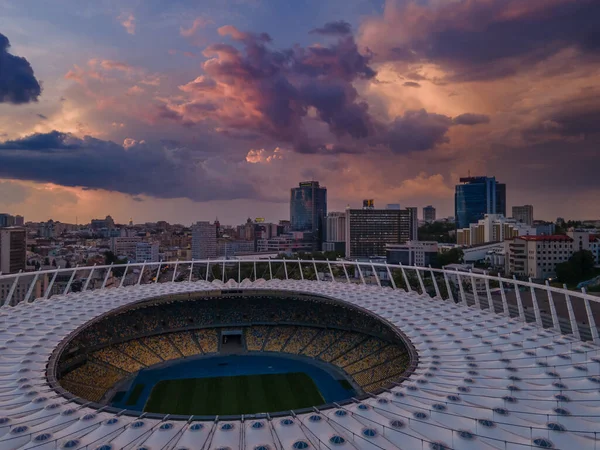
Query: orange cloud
x=199 y=22
x=127 y=20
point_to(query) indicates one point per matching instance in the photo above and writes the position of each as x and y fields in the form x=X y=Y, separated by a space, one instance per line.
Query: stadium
x=287 y=362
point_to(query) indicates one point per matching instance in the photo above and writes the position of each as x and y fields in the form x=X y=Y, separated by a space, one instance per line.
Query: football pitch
x=246 y=394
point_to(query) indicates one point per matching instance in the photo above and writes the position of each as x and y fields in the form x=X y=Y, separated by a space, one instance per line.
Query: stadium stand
x=122 y=344
x=161 y=346
x=255 y=337
x=208 y=340
x=278 y=338
x=185 y=343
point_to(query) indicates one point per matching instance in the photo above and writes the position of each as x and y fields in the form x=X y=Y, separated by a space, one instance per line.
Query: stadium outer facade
x=491 y=372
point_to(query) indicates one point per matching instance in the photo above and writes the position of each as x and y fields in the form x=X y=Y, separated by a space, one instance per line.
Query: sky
x=187 y=110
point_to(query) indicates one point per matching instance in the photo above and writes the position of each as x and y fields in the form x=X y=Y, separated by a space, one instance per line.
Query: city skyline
x=176 y=110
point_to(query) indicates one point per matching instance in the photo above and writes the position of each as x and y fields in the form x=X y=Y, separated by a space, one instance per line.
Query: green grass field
x=234 y=395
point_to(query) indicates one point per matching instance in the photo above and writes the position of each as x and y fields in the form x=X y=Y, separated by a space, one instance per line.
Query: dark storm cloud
x=157 y=171
x=17 y=81
x=417 y=131
x=271 y=92
x=578 y=116
x=484 y=40
x=411 y=84
x=334 y=28
x=260 y=89
x=471 y=119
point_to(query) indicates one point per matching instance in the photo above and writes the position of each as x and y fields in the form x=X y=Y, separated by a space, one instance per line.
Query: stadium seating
x=322 y=342
x=161 y=346
x=208 y=340
x=344 y=344
x=151 y=334
x=185 y=343
x=278 y=338
x=255 y=337
x=139 y=352
x=300 y=340
x=115 y=358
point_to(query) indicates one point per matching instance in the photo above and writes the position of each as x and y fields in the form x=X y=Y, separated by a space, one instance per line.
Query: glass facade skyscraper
x=476 y=197
x=308 y=209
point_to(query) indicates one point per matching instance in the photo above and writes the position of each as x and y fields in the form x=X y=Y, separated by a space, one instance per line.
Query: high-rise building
x=392 y=206
x=336 y=232
x=523 y=214
x=204 y=240
x=13 y=249
x=492 y=228
x=336 y=227
x=6 y=220
x=429 y=214
x=414 y=223
x=369 y=230
x=146 y=252
x=476 y=197
x=308 y=209
x=19 y=221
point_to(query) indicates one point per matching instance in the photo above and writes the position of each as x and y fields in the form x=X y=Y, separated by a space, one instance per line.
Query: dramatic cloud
x=411 y=84
x=471 y=119
x=417 y=131
x=17 y=81
x=134 y=168
x=272 y=92
x=334 y=28
x=482 y=40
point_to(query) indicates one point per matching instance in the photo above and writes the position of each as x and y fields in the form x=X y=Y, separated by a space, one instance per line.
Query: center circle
x=230 y=353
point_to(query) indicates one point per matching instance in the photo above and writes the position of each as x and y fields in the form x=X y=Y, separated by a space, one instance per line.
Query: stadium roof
x=483 y=381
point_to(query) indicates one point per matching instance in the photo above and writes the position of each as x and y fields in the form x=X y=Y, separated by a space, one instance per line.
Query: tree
x=437 y=231
x=578 y=268
x=53 y=263
x=453 y=256
x=46 y=261
x=68 y=265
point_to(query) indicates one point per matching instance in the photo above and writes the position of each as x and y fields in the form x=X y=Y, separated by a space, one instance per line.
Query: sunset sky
x=186 y=110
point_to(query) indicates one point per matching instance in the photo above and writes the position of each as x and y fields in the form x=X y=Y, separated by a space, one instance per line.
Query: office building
x=204 y=240
x=229 y=247
x=477 y=196
x=19 y=221
x=543 y=227
x=99 y=224
x=392 y=206
x=492 y=228
x=523 y=214
x=125 y=247
x=335 y=232
x=146 y=252
x=368 y=231
x=414 y=223
x=289 y=243
x=6 y=220
x=537 y=256
x=308 y=210
x=13 y=249
x=429 y=214
x=412 y=253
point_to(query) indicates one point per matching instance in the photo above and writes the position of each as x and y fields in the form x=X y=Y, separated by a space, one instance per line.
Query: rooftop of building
x=550 y=237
